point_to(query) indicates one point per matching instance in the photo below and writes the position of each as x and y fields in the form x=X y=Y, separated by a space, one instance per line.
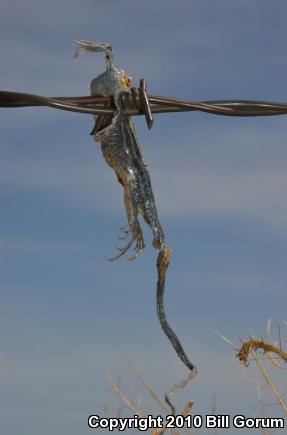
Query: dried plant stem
x=123 y=398
x=147 y=386
x=269 y=382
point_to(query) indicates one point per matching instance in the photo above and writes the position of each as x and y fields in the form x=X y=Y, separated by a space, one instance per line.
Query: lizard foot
x=136 y=234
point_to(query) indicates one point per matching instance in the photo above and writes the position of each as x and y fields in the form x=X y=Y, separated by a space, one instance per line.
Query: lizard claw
x=126 y=230
x=139 y=246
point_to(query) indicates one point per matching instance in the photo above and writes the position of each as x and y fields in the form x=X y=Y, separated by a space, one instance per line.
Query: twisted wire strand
x=94 y=105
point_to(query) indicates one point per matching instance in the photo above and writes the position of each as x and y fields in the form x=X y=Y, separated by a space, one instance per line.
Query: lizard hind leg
x=139 y=245
x=133 y=226
x=137 y=237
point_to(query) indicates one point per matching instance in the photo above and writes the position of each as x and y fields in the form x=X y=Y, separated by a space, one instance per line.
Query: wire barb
x=145 y=106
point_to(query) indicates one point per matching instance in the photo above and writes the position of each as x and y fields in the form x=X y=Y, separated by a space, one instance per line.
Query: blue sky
x=67 y=315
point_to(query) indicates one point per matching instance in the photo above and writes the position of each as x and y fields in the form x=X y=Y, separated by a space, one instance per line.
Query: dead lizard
x=122 y=152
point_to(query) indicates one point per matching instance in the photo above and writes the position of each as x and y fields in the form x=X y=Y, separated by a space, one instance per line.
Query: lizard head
x=114 y=79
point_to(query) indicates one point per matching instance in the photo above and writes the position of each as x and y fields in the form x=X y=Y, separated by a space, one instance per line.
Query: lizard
x=122 y=152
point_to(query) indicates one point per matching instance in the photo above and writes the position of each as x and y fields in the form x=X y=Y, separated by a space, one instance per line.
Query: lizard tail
x=162 y=265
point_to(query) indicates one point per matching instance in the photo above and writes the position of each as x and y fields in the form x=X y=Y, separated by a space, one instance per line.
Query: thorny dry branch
x=253 y=345
x=274 y=354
